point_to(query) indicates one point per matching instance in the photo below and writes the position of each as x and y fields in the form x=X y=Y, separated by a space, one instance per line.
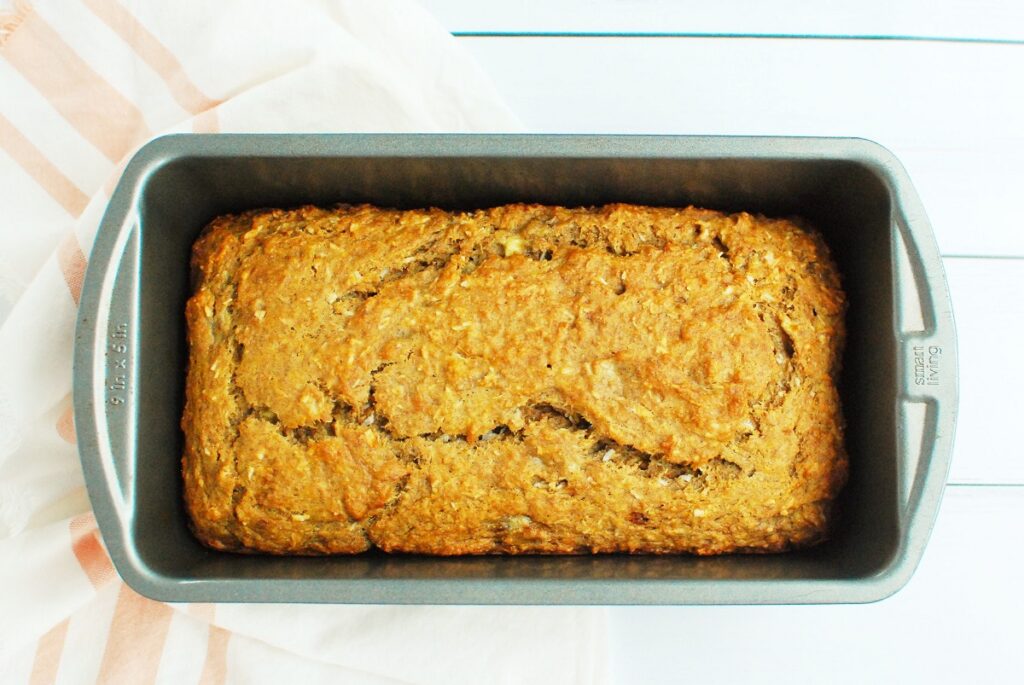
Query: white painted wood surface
x=988 y=305
x=956 y=19
x=954 y=114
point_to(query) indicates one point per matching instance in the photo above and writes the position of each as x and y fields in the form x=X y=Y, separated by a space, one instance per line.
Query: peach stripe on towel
x=154 y=53
x=66 y=426
x=72 y=264
x=137 y=637
x=42 y=170
x=100 y=113
x=215 y=667
x=206 y=122
x=48 y=654
x=85 y=544
x=215 y=664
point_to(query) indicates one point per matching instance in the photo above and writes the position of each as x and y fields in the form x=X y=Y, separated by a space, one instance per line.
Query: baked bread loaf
x=522 y=379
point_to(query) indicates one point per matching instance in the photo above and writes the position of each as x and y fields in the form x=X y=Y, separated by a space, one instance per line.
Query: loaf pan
x=898 y=386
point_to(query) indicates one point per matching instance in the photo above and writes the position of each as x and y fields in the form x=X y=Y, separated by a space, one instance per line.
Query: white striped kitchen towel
x=83 y=83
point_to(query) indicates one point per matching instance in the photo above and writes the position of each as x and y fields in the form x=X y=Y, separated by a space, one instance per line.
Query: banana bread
x=522 y=379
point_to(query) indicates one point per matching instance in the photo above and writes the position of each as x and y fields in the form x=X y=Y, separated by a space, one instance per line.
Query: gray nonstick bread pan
x=899 y=381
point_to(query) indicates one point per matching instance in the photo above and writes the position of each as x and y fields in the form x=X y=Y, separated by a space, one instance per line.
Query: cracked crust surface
x=522 y=379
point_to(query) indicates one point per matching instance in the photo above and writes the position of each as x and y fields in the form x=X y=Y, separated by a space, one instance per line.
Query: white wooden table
x=939 y=83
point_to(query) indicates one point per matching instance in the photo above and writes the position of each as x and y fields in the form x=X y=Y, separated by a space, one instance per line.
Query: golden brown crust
x=523 y=379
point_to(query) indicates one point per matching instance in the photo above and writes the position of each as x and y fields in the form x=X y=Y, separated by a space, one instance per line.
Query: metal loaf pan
x=899 y=384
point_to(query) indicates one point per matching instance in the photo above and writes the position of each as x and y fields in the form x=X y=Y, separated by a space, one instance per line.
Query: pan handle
x=928 y=371
x=106 y=372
